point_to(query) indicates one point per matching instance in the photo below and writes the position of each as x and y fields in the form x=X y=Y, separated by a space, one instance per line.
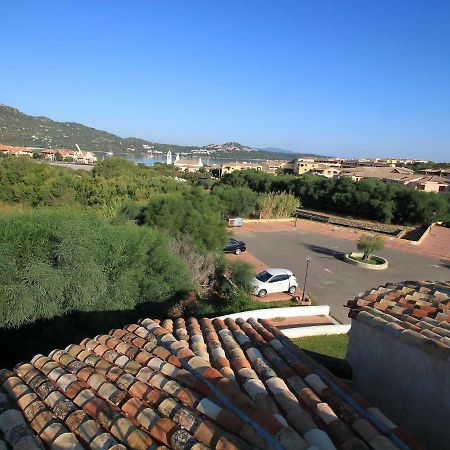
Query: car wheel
x=292 y=289
x=262 y=293
x=237 y=251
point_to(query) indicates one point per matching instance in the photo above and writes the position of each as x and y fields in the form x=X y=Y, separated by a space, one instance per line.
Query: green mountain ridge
x=17 y=128
x=20 y=129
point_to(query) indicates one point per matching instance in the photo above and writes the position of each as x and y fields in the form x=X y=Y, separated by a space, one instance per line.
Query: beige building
x=231 y=167
x=381 y=173
x=326 y=171
x=433 y=183
x=399 y=175
x=188 y=165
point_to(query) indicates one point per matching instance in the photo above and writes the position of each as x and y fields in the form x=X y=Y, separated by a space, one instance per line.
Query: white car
x=274 y=280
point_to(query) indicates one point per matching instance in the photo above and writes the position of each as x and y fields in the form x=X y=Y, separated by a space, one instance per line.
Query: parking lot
x=330 y=280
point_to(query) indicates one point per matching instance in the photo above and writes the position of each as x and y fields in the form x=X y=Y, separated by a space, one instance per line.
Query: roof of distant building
x=376 y=172
x=188 y=384
x=434 y=179
x=416 y=311
x=13 y=149
x=188 y=162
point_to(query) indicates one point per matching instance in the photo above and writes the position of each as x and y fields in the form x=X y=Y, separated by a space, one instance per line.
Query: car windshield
x=263 y=276
x=232 y=241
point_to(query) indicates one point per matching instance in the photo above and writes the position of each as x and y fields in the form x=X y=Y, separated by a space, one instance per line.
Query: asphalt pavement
x=332 y=281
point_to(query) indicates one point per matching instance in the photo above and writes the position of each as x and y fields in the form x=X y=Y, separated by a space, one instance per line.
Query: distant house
x=76 y=156
x=433 y=183
x=326 y=171
x=50 y=154
x=16 y=151
x=81 y=157
x=188 y=165
x=440 y=172
x=231 y=167
x=381 y=173
x=399 y=175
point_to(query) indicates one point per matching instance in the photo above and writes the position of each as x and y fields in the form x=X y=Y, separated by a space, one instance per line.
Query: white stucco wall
x=411 y=386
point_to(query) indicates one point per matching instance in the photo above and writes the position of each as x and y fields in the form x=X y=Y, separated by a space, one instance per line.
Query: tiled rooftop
x=417 y=312
x=187 y=384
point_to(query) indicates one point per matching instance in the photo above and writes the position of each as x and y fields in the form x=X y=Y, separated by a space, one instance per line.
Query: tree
x=58 y=157
x=368 y=244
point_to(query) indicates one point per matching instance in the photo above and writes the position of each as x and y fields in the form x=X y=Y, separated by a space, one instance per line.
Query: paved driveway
x=330 y=280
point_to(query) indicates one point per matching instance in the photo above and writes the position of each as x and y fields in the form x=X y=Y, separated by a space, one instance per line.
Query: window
x=278 y=278
x=263 y=276
x=442 y=188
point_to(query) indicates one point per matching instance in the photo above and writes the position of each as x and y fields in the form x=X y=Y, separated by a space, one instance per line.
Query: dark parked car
x=234 y=246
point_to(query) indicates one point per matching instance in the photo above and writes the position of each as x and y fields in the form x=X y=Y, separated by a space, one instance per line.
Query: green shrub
x=241 y=274
x=53 y=263
x=277 y=205
x=236 y=201
x=191 y=212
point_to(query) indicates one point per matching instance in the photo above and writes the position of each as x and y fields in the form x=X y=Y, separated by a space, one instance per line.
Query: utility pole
x=306 y=276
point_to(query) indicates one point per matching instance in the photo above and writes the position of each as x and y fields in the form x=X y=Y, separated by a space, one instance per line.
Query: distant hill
x=17 y=128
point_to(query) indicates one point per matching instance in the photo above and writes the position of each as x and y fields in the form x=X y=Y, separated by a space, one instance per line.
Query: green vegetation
x=331 y=345
x=368 y=199
x=111 y=183
x=55 y=262
x=277 y=205
x=191 y=212
x=237 y=201
x=367 y=245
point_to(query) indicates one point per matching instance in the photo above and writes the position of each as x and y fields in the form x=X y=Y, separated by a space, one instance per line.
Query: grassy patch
x=332 y=345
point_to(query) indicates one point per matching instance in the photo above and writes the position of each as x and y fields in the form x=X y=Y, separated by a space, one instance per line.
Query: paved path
x=436 y=244
x=331 y=280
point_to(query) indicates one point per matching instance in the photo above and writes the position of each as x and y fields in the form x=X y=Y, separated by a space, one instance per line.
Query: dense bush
x=191 y=212
x=53 y=263
x=110 y=183
x=369 y=199
x=236 y=201
x=277 y=205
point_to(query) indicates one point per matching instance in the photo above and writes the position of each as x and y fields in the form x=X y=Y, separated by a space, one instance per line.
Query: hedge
x=57 y=262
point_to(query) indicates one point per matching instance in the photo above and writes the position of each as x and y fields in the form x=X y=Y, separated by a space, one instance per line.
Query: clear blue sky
x=347 y=77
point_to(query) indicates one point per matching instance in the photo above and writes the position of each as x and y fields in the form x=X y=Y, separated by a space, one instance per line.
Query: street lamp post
x=306 y=276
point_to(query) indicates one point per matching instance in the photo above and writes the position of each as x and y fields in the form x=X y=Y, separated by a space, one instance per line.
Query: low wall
x=296 y=311
x=316 y=330
x=348 y=259
x=425 y=234
x=271 y=313
x=408 y=384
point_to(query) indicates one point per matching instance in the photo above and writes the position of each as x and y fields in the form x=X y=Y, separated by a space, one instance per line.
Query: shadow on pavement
x=325 y=251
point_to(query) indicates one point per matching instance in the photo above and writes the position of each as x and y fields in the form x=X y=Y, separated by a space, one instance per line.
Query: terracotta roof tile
x=197 y=384
x=419 y=314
